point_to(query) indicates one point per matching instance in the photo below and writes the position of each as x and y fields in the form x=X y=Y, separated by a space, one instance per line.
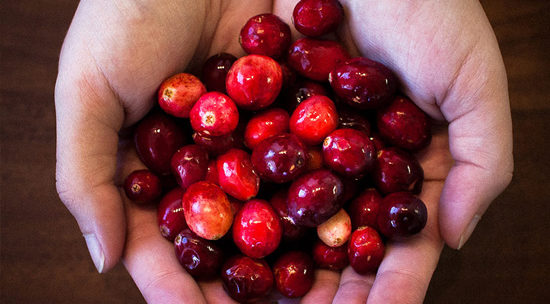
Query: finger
x=324 y=287
x=214 y=293
x=353 y=288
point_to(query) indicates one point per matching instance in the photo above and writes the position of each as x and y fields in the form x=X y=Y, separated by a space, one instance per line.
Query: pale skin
x=117 y=53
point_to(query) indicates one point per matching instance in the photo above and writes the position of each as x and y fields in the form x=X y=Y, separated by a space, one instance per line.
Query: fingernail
x=95 y=251
x=468 y=231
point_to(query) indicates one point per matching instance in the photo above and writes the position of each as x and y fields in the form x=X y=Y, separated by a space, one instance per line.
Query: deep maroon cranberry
x=302 y=91
x=214 y=114
x=317 y=17
x=170 y=215
x=314 y=119
x=363 y=83
x=265 y=34
x=236 y=175
x=142 y=186
x=215 y=145
x=353 y=120
x=245 y=279
x=404 y=125
x=333 y=258
x=189 y=165
x=349 y=152
x=365 y=250
x=401 y=215
x=352 y=186
x=265 y=125
x=293 y=273
x=315 y=59
x=212 y=172
x=291 y=231
x=215 y=70
x=157 y=137
x=314 y=197
x=376 y=141
x=178 y=94
x=396 y=170
x=201 y=258
x=364 y=208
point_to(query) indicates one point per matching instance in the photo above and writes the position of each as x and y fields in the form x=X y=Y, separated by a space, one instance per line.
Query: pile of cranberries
x=293 y=157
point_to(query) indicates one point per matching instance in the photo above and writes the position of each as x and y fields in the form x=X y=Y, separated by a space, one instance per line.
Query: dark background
x=44 y=257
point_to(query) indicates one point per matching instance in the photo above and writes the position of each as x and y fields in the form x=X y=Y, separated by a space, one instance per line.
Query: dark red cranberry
x=201 y=258
x=365 y=250
x=142 y=186
x=314 y=119
x=291 y=231
x=401 y=215
x=314 y=159
x=404 y=125
x=214 y=114
x=246 y=280
x=333 y=258
x=157 y=137
x=352 y=186
x=215 y=70
x=215 y=145
x=236 y=175
x=317 y=17
x=212 y=172
x=170 y=215
x=364 y=208
x=363 y=83
x=314 y=197
x=349 y=152
x=396 y=170
x=293 y=273
x=353 y=120
x=178 y=94
x=189 y=165
x=265 y=34
x=376 y=141
x=315 y=59
x=254 y=81
x=302 y=91
x=265 y=125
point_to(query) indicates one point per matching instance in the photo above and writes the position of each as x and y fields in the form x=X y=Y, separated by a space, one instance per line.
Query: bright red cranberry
x=353 y=120
x=212 y=172
x=215 y=145
x=314 y=119
x=157 y=137
x=314 y=159
x=178 y=94
x=314 y=197
x=365 y=250
x=404 y=125
x=265 y=34
x=254 y=81
x=293 y=273
x=214 y=114
x=401 y=215
x=302 y=91
x=315 y=59
x=363 y=83
x=265 y=125
x=336 y=230
x=364 y=208
x=236 y=175
x=142 y=186
x=215 y=70
x=170 y=215
x=376 y=141
x=291 y=232
x=189 y=165
x=201 y=258
x=349 y=152
x=396 y=170
x=245 y=279
x=317 y=17
x=333 y=258
x=207 y=210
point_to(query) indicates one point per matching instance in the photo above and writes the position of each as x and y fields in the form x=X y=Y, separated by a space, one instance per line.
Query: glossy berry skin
x=178 y=94
x=214 y=145
x=265 y=125
x=363 y=83
x=365 y=250
x=157 y=137
x=207 y=210
x=280 y=158
x=349 y=152
x=215 y=70
x=214 y=114
x=404 y=125
x=245 y=279
x=314 y=119
x=364 y=209
x=401 y=215
x=237 y=176
x=396 y=170
x=317 y=17
x=265 y=34
x=170 y=215
x=291 y=231
x=333 y=258
x=189 y=165
x=254 y=81
x=315 y=59
x=294 y=274
x=314 y=197
x=302 y=91
x=142 y=186
x=336 y=230
x=352 y=120
x=201 y=258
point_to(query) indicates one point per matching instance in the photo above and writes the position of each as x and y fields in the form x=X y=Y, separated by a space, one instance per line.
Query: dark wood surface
x=44 y=257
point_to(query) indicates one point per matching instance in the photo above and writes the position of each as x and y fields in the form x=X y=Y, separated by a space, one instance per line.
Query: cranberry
x=212 y=172
x=314 y=159
x=293 y=272
x=364 y=209
x=215 y=145
x=207 y=210
x=302 y=91
x=314 y=119
x=376 y=141
x=353 y=120
x=214 y=114
x=351 y=187
x=317 y=17
x=336 y=230
x=404 y=125
x=289 y=75
x=178 y=94
x=170 y=215
x=401 y=215
x=348 y=152
x=397 y=170
x=215 y=70
x=314 y=197
x=265 y=34
x=254 y=81
x=363 y=83
x=365 y=250
x=245 y=279
x=201 y=258
x=291 y=232
x=236 y=175
x=315 y=59
x=157 y=137
x=333 y=258
x=142 y=186
x=264 y=125
x=189 y=165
